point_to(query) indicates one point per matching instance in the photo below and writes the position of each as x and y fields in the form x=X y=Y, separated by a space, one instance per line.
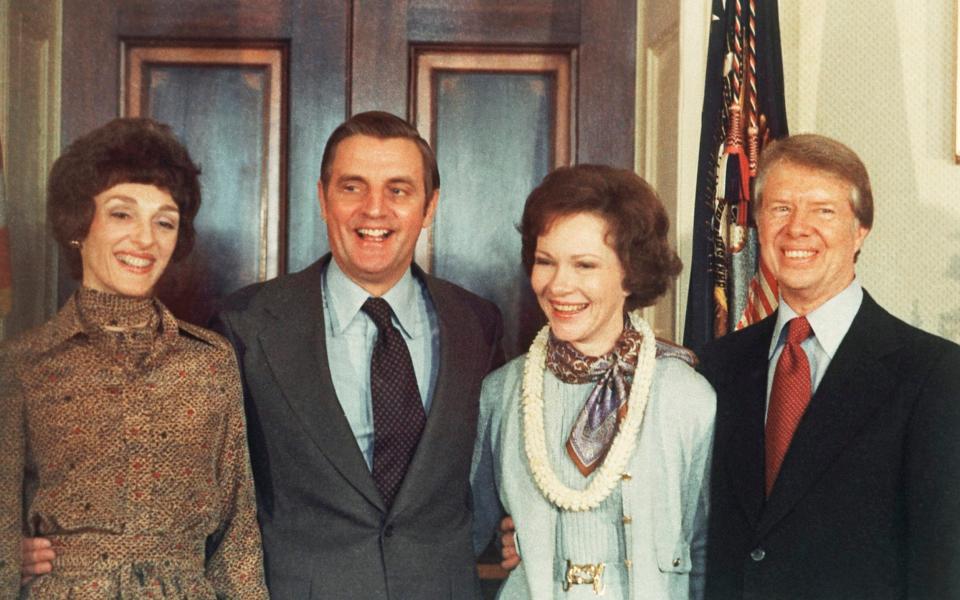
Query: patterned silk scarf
x=605 y=408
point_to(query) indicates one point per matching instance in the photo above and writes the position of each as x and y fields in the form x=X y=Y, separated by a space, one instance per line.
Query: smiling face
x=808 y=233
x=375 y=207
x=578 y=280
x=131 y=239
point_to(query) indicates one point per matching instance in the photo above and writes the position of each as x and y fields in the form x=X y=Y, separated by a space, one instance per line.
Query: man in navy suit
x=861 y=498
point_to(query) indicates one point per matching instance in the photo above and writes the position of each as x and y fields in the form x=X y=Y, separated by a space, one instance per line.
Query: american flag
x=743 y=108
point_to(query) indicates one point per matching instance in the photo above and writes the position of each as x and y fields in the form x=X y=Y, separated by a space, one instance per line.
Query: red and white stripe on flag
x=762 y=297
x=6 y=275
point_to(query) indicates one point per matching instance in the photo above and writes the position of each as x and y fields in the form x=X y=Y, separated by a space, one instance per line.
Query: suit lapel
x=855 y=385
x=747 y=383
x=296 y=354
x=445 y=408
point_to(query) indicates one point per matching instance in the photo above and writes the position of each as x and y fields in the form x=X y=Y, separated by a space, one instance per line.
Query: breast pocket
x=673 y=556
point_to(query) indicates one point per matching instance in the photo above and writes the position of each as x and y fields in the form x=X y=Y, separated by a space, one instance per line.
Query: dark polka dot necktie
x=789 y=397
x=398 y=416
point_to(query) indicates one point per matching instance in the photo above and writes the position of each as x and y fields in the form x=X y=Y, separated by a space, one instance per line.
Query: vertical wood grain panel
x=379 y=49
x=316 y=34
x=30 y=145
x=319 y=95
x=607 y=57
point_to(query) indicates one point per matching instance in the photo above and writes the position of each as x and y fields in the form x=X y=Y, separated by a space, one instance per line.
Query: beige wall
x=879 y=75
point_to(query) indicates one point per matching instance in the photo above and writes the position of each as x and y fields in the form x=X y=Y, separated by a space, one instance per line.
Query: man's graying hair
x=823 y=154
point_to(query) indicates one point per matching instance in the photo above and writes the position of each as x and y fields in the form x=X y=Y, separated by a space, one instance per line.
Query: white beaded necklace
x=623 y=443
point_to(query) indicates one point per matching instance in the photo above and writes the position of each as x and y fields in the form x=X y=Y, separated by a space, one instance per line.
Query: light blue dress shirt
x=351 y=335
x=829 y=322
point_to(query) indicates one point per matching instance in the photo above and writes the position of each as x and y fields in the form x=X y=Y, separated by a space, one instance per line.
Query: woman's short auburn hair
x=636 y=220
x=126 y=150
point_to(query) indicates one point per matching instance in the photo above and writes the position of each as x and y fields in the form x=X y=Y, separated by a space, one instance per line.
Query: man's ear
x=431 y=208
x=861 y=235
x=322 y=199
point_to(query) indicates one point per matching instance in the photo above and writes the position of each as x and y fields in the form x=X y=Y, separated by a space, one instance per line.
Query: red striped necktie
x=789 y=398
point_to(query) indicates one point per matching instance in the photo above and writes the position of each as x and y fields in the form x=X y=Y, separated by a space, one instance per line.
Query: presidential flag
x=743 y=109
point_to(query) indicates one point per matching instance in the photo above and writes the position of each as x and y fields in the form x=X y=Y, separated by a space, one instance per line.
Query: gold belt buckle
x=581 y=574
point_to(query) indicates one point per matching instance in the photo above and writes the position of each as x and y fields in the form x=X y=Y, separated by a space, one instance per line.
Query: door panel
x=226 y=105
x=468 y=103
x=605 y=84
x=475 y=236
x=603 y=32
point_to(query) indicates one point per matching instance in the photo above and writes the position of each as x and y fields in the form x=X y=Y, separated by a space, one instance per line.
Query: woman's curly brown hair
x=128 y=150
x=636 y=220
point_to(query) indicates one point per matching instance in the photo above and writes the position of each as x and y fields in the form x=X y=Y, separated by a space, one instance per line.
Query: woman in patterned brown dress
x=123 y=439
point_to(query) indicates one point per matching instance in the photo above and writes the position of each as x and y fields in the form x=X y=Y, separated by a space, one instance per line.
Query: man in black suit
x=855 y=491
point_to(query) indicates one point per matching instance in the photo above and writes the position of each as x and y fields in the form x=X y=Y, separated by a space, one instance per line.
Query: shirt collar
x=67 y=323
x=345 y=298
x=830 y=321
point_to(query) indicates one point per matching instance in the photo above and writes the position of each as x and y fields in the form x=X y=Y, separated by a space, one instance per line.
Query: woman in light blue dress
x=597 y=441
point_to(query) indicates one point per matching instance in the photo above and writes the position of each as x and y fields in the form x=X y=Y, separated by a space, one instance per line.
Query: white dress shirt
x=351 y=335
x=829 y=322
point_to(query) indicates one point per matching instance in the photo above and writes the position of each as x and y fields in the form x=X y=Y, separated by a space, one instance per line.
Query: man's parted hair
x=383 y=126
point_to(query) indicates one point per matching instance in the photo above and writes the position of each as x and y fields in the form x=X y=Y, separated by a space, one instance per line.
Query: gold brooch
x=583 y=574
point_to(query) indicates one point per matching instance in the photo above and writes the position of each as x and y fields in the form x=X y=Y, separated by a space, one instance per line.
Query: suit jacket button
x=388 y=531
x=758 y=554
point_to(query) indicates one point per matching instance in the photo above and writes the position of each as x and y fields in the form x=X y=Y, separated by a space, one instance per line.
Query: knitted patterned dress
x=129 y=452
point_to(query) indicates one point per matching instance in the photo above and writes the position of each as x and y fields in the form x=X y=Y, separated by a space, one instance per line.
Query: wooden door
x=252 y=87
x=504 y=91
